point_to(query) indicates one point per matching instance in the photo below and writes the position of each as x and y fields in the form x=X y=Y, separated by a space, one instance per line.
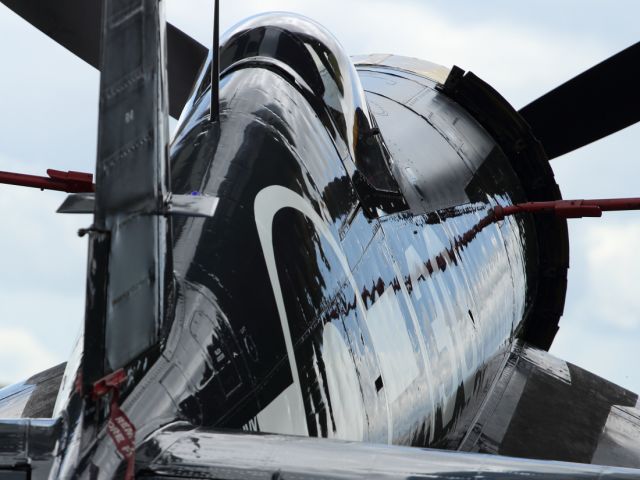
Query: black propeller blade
x=76 y=25
x=596 y=103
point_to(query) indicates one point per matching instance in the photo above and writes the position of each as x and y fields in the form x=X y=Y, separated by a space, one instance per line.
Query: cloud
x=605 y=266
x=21 y=355
x=600 y=328
x=521 y=61
x=39 y=249
x=42 y=279
x=49 y=100
x=614 y=269
x=609 y=353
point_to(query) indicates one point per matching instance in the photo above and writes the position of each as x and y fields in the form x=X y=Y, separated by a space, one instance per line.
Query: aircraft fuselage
x=303 y=306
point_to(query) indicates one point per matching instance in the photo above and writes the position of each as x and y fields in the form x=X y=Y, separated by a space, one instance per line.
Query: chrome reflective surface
x=27 y=447
x=423 y=317
x=33 y=398
x=205 y=454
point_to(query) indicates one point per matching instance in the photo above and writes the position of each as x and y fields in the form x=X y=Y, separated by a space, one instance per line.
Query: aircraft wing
x=207 y=454
x=34 y=397
x=542 y=407
x=539 y=407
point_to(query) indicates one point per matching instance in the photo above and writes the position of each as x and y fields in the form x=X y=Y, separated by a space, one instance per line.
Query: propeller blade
x=596 y=103
x=76 y=25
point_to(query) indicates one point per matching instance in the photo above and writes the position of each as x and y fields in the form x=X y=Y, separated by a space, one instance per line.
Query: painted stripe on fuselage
x=267 y=204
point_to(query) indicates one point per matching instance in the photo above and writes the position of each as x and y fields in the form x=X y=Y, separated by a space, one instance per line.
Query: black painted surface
x=576 y=113
x=14 y=474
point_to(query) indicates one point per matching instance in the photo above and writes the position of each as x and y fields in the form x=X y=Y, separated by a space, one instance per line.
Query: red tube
x=570 y=208
x=71 y=182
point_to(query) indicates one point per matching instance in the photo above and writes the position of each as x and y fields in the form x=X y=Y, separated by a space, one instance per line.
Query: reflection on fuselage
x=427 y=345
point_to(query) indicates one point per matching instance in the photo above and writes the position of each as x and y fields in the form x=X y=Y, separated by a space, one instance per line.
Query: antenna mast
x=214 y=113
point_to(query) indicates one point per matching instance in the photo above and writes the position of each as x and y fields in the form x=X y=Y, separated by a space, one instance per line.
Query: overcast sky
x=48 y=119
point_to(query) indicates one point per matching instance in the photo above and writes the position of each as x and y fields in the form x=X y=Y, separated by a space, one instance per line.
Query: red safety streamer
x=121 y=430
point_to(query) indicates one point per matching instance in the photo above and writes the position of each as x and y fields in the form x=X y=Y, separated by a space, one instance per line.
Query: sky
x=48 y=119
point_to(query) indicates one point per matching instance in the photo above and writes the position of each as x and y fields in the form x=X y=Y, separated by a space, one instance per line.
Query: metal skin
x=374 y=329
x=347 y=286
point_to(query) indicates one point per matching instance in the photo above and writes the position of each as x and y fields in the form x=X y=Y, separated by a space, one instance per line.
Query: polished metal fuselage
x=320 y=318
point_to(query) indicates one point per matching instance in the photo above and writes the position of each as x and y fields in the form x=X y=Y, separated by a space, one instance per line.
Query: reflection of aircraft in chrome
x=369 y=249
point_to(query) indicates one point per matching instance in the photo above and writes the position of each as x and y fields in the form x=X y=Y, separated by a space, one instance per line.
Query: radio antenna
x=214 y=113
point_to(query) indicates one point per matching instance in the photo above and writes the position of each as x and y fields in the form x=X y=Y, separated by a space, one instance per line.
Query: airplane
x=340 y=267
